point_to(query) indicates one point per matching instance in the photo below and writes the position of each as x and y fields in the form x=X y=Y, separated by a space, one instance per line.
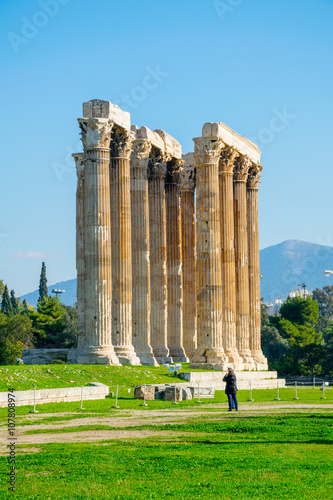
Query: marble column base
x=126 y=355
x=97 y=356
x=146 y=356
x=203 y=355
x=260 y=360
x=178 y=355
x=248 y=362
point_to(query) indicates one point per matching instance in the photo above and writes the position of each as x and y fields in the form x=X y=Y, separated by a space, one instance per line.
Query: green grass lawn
x=262 y=458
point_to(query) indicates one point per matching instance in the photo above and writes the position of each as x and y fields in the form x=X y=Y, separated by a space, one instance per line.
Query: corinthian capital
x=188 y=179
x=207 y=150
x=173 y=172
x=254 y=176
x=241 y=168
x=79 y=164
x=227 y=160
x=121 y=143
x=140 y=153
x=95 y=132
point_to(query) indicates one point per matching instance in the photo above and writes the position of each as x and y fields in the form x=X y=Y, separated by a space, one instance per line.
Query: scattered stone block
x=150 y=392
x=169 y=394
x=186 y=393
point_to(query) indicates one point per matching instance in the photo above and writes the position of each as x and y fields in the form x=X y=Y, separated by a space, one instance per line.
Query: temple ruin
x=167 y=245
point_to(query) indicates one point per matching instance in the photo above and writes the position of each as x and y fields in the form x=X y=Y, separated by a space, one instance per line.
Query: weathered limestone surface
x=97 y=346
x=209 y=273
x=226 y=168
x=158 y=257
x=174 y=262
x=140 y=251
x=79 y=162
x=145 y=392
x=241 y=170
x=188 y=256
x=120 y=200
x=254 y=268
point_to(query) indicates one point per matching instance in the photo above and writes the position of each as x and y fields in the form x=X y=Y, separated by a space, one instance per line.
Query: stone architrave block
x=204 y=392
x=169 y=394
x=159 y=391
x=150 y=392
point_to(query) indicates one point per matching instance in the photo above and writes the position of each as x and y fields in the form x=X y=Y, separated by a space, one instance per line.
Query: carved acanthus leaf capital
x=140 y=154
x=79 y=164
x=95 y=132
x=227 y=160
x=254 y=176
x=188 y=179
x=241 y=168
x=207 y=150
x=121 y=143
x=173 y=173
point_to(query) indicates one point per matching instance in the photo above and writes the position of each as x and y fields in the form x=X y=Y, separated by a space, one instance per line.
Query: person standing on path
x=231 y=388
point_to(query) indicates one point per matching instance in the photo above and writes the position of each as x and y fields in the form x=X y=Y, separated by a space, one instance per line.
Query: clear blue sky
x=244 y=63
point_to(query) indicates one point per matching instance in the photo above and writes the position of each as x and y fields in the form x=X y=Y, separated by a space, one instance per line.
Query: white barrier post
x=251 y=391
x=116 y=405
x=323 y=389
x=277 y=391
x=314 y=382
x=34 y=410
x=198 y=394
x=296 y=390
x=144 y=396
x=175 y=401
x=81 y=408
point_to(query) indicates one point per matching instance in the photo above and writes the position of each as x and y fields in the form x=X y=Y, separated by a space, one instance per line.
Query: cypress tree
x=42 y=284
x=13 y=302
x=6 y=305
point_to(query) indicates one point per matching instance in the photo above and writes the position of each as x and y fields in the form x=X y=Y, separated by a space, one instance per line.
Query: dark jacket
x=231 y=387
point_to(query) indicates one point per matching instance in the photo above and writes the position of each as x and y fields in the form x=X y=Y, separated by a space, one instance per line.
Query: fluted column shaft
x=140 y=252
x=120 y=199
x=254 y=265
x=241 y=259
x=97 y=243
x=209 y=273
x=79 y=161
x=189 y=261
x=228 y=254
x=174 y=262
x=158 y=260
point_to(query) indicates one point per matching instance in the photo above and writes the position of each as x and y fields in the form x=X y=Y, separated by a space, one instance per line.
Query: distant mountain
x=286 y=265
x=68 y=297
x=283 y=266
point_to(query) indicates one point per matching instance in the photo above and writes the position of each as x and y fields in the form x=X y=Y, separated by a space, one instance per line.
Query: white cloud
x=30 y=255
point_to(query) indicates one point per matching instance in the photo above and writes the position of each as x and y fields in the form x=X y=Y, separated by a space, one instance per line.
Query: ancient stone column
x=97 y=347
x=241 y=259
x=120 y=198
x=254 y=268
x=79 y=163
x=227 y=160
x=209 y=273
x=174 y=261
x=189 y=261
x=158 y=259
x=140 y=252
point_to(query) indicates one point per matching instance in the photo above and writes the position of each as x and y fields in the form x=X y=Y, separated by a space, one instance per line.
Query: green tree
x=15 y=335
x=324 y=298
x=14 y=302
x=6 y=305
x=298 y=325
x=52 y=324
x=2 y=287
x=43 y=284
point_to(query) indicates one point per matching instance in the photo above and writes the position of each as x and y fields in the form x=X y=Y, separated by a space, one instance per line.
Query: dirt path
x=130 y=418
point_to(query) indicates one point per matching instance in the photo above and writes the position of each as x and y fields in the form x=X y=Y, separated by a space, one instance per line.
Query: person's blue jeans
x=232 y=398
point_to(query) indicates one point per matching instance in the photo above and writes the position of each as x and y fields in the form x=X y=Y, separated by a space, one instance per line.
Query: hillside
x=291 y=262
x=283 y=267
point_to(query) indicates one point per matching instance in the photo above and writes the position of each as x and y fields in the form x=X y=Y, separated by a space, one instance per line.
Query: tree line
x=50 y=325
x=299 y=339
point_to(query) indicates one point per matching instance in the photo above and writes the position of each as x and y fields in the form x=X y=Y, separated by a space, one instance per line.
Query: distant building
x=299 y=292
x=274 y=306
